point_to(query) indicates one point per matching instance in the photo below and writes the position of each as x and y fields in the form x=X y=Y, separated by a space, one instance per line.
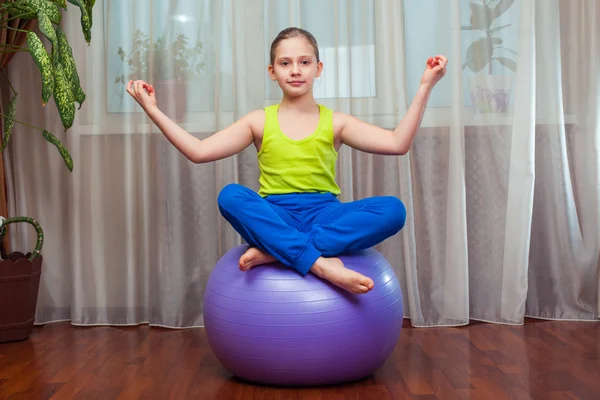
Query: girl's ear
x=272 y=73
x=319 y=68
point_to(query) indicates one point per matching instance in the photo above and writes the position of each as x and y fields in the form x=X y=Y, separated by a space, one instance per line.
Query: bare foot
x=333 y=270
x=253 y=257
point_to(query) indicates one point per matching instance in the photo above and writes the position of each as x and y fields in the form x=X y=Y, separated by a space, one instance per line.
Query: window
x=362 y=74
x=130 y=34
x=431 y=28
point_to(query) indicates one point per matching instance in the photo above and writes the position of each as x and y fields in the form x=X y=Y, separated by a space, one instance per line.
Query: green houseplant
x=49 y=48
x=168 y=66
x=489 y=92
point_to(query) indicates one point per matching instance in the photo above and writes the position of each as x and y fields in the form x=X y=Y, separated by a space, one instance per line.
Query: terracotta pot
x=171 y=98
x=19 y=284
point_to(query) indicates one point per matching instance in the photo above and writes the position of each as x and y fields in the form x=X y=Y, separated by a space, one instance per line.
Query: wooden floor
x=540 y=360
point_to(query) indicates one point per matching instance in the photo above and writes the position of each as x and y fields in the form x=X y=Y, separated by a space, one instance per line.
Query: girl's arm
x=373 y=139
x=222 y=144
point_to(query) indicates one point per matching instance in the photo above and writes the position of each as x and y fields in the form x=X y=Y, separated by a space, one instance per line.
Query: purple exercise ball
x=271 y=325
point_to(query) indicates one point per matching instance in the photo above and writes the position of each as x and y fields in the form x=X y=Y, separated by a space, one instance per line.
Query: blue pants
x=297 y=229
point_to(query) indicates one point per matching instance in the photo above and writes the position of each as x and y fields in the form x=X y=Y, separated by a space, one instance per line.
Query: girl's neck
x=306 y=103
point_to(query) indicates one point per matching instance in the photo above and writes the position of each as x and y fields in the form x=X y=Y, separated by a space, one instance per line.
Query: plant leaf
x=479 y=54
x=90 y=6
x=47 y=7
x=9 y=121
x=47 y=29
x=480 y=16
x=465 y=64
x=22 y=10
x=52 y=10
x=61 y=3
x=61 y=149
x=496 y=41
x=86 y=17
x=65 y=54
x=501 y=8
x=476 y=64
x=63 y=96
x=507 y=62
x=509 y=50
x=44 y=63
x=496 y=29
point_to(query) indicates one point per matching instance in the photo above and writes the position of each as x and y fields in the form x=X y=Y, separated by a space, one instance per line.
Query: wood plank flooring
x=540 y=360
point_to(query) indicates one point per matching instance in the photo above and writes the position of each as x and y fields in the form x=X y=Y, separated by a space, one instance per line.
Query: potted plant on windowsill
x=168 y=67
x=490 y=93
x=34 y=26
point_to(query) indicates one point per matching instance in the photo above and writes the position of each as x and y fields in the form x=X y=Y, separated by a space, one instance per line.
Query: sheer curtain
x=501 y=186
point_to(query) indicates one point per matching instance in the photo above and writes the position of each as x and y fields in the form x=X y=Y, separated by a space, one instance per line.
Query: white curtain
x=501 y=185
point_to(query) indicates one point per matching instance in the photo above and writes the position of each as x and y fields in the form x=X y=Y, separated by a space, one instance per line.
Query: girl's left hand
x=435 y=69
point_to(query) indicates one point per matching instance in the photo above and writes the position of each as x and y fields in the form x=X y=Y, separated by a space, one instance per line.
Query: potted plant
x=489 y=92
x=19 y=285
x=167 y=66
x=49 y=48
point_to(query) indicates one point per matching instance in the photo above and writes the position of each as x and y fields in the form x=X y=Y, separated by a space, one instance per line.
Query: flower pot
x=490 y=93
x=171 y=98
x=19 y=284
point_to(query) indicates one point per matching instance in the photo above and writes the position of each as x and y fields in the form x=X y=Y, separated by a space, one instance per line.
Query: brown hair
x=290 y=33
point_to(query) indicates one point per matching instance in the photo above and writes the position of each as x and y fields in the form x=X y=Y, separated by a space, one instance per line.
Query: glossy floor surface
x=540 y=360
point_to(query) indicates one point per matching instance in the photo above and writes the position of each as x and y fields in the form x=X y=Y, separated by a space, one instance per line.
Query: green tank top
x=297 y=166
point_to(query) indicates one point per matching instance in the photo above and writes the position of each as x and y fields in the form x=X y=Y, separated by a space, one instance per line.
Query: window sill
x=205 y=123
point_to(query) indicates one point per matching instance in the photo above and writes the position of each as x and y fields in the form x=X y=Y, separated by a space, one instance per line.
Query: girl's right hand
x=143 y=93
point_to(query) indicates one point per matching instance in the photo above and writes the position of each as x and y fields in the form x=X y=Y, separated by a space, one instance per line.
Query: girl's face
x=295 y=67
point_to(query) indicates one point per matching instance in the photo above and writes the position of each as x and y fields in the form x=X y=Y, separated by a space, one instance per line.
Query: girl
x=296 y=217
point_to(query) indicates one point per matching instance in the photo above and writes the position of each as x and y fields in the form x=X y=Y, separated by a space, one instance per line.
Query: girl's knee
x=395 y=214
x=231 y=195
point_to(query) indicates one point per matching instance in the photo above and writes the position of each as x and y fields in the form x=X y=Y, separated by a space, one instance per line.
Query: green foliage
x=20 y=9
x=44 y=63
x=158 y=60
x=57 y=67
x=60 y=3
x=38 y=230
x=481 y=52
x=61 y=149
x=85 y=7
x=46 y=7
x=63 y=95
x=9 y=121
x=47 y=29
x=65 y=54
